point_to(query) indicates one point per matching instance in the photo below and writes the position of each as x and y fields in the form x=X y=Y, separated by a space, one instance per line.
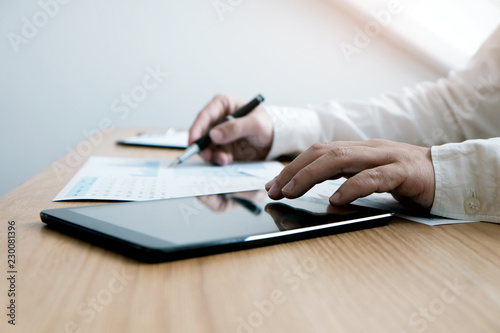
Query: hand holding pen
x=246 y=136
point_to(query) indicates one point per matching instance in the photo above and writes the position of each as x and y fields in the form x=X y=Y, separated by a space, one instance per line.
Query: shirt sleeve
x=467 y=178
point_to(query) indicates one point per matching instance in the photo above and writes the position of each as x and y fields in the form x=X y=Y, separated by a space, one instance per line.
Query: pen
x=205 y=140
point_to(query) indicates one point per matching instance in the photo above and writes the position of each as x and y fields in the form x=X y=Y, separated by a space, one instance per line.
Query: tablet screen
x=220 y=217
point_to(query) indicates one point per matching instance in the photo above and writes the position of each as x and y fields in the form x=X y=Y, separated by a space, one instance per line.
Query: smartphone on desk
x=172 y=229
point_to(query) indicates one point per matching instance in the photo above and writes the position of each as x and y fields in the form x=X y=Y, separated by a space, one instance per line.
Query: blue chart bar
x=82 y=187
x=143 y=169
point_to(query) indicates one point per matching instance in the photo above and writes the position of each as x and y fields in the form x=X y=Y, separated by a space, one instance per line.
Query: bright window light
x=447 y=32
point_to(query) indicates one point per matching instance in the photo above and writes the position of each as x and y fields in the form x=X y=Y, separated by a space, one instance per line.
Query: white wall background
x=65 y=77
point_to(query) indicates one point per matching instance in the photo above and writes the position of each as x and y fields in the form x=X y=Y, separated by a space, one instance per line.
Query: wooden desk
x=405 y=277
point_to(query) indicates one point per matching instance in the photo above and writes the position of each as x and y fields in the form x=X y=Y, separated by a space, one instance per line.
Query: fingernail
x=216 y=135
x=270 y=183
x=273 y=191
x=335 y=198
x=289 y=187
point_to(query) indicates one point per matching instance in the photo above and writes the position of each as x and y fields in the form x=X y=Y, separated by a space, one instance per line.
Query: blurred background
x=68 y=65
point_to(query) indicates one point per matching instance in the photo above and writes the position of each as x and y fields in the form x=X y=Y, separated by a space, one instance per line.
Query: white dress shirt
x=459 y=116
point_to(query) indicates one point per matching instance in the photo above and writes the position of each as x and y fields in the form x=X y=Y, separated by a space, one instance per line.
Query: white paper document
x=133 y=179
x=381 y=201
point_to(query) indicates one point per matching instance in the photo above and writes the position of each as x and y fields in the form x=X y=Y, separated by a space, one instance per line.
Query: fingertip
x=270 y=183
x=336 y=199
x=287 y=190
x=275 y=192
x=341 y=199
x=222 y=158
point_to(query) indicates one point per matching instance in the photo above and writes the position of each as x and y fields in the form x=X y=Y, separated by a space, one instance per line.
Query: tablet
x=171 y=229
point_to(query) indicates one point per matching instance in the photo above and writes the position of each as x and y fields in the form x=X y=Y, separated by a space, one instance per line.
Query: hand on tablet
x=401 y=169
x=242 y=139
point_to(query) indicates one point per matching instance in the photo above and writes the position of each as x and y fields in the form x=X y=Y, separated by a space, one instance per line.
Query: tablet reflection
x=224 y=202
x=285 y=216
x=288 y=218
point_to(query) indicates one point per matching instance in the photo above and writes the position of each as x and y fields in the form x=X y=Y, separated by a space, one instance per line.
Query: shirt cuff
x=294 y=130
x=466 y=184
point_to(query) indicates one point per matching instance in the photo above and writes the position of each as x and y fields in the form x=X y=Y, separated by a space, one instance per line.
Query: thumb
x=232 y=130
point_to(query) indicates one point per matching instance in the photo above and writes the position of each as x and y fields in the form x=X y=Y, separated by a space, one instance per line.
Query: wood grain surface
x=404 y=277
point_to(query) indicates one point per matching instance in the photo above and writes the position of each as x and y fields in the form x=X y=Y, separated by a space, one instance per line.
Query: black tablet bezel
x=146 y=248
